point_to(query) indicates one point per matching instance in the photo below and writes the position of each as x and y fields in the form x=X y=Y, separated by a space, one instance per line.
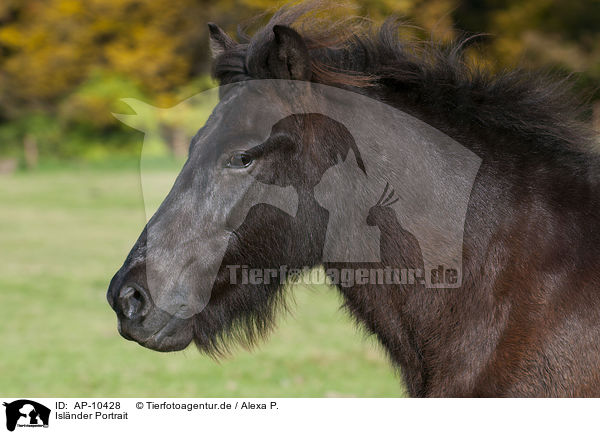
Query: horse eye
x=239 y=160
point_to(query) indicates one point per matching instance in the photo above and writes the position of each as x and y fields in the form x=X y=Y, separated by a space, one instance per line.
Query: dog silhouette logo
x=26 y=413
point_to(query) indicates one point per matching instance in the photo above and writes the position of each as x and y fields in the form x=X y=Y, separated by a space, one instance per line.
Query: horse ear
x=219 y=40
x=289 y=57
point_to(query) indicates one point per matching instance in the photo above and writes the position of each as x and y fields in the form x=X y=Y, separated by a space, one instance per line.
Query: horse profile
x=524 y=319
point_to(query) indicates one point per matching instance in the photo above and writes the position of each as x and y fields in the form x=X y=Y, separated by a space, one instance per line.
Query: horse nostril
x=133 y=301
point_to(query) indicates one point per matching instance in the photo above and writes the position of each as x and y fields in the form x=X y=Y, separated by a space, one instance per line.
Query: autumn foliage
x=65 y=64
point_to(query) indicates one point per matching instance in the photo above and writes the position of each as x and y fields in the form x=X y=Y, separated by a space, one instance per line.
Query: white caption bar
x=350 y=415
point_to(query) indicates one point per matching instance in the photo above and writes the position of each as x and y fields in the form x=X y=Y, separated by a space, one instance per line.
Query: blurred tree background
x=64 y=64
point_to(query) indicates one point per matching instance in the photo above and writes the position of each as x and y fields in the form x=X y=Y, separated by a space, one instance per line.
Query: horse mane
x=537 y=112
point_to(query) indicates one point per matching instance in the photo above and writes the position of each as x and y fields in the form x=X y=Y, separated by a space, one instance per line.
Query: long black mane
x=536 y=114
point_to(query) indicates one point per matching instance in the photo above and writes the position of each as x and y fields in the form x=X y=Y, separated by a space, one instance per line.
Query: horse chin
x=174 y=335
x=168 y=344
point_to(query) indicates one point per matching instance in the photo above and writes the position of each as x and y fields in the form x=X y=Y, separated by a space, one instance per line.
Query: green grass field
x=63 y=234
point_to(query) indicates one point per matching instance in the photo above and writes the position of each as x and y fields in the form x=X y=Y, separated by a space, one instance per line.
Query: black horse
x=524 y=321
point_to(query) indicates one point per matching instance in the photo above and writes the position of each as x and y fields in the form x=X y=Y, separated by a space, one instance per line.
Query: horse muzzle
x=140 y=320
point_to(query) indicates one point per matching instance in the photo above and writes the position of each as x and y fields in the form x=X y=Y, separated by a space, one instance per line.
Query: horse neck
x=406 y=317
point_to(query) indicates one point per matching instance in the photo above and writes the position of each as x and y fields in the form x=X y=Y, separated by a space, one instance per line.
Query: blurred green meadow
x=63 y=234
